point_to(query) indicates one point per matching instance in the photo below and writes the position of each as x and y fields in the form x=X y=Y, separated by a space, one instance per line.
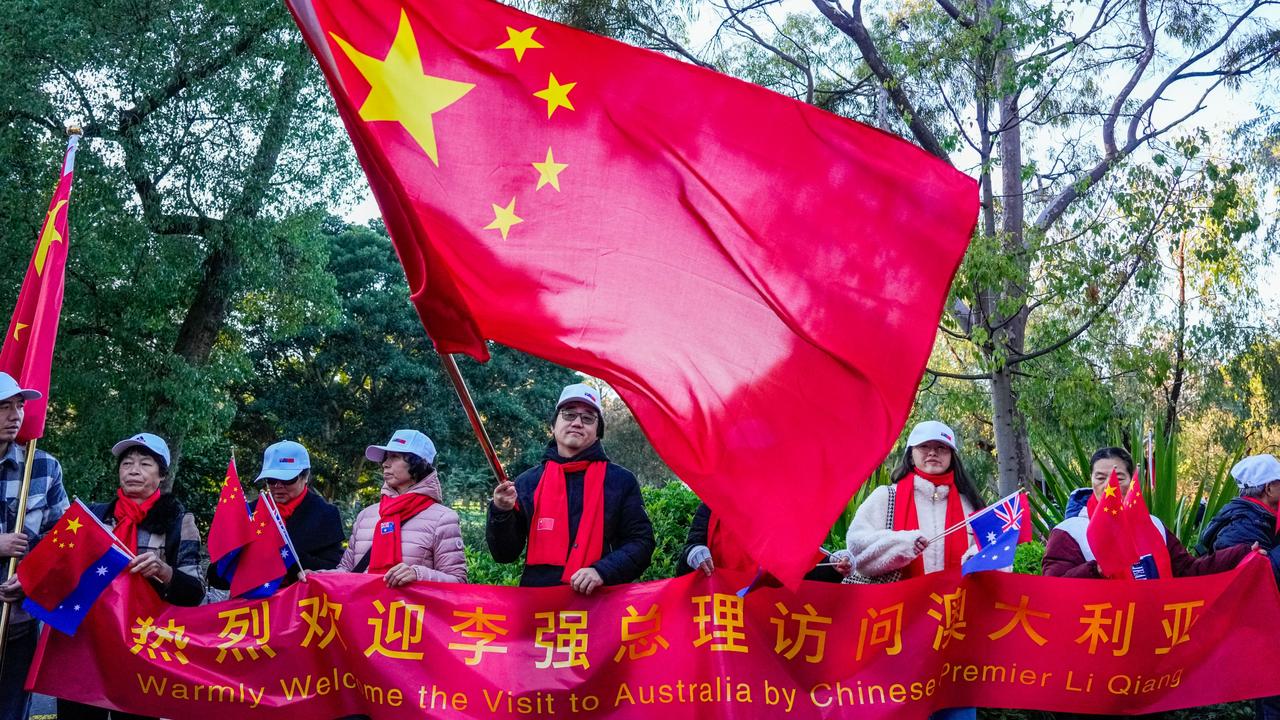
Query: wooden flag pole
x=477 y=425
x=7 y=612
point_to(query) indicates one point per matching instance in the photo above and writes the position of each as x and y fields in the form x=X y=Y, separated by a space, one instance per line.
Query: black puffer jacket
x=1241 y=522
x=628 y=534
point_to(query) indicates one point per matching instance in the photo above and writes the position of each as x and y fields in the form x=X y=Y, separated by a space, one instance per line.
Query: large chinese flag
x=758 y=279
x=232 y=528
x=27 y=353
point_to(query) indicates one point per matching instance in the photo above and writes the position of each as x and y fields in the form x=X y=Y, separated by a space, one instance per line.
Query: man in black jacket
x=581 y=515
x=314 y=525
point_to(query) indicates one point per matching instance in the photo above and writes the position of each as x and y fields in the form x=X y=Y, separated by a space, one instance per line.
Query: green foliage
x=1028 y=558
x=671 y=509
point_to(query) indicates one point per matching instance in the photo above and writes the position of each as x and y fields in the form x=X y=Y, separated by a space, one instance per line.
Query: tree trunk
x=1179 y=348
x=1013 y=449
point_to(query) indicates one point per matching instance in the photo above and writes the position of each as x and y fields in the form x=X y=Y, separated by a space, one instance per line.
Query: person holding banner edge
x=313 y=523
x=581 y=515
x=896 y=529
x=1068 y=554
x=46 y=501
x=153 y=524
x=409 y=534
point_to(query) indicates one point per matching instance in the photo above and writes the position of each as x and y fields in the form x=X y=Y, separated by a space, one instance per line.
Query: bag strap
x=893 y=499
x=362 y=565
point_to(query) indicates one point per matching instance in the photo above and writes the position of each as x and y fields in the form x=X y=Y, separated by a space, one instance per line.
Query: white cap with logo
x=410 y=442
x=580 y=392
x=932 y=430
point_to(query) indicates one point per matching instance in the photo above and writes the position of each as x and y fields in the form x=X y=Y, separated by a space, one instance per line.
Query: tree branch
x=851 y=24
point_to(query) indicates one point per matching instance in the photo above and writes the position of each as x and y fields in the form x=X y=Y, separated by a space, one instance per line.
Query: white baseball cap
x=154 y=443
x=410 y=442
x=1256 y=470
x=284 y=460
x=580 y=392
x=931 y=430
x=9 y=388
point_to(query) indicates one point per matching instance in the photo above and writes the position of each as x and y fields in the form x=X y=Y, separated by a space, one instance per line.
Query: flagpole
x=469 y=406
x=7 y=612
x=284 y=532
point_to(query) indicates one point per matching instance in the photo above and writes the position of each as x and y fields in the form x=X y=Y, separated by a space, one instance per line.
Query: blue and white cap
x=154 y=443
x=932 y=430
x=410 y=442
x=284 y=460
x=9 y=388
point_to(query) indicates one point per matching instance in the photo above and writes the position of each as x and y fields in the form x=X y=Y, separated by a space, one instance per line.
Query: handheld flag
x=70 y=567
x=1108 y=534
x=1147 y=539
x=261 y=562
x=231 y=528
x=997 y=530
x=614 y=210
x=27 y=353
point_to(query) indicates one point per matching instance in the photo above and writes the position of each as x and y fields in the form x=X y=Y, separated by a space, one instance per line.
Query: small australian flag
x=997 y=531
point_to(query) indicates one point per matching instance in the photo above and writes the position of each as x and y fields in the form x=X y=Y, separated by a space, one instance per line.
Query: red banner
x=688 y=647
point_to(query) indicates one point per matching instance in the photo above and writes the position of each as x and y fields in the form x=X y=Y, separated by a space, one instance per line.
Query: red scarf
x=392 y=514
x=549 y=529
x=727 y=552
x=286 y=510
x=905 y=517
x=129 y=515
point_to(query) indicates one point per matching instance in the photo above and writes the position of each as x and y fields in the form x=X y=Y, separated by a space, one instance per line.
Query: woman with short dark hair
x=150 y=521
x=409 y=534
x=1067 y=552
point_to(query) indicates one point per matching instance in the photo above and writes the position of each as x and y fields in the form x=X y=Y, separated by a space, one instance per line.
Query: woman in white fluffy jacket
x=941 y=495
x=930 y=493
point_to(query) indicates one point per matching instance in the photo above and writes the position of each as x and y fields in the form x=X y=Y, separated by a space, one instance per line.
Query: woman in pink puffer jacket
x=409 y=534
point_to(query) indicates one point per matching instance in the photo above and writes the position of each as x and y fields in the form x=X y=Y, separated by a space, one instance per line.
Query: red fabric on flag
x=1024 y=529
x=1147 y=538
x=260 y=561
x=1109 y=536
x=27 y=353
x=231 y=528
x=757 y=279
x=53 y=569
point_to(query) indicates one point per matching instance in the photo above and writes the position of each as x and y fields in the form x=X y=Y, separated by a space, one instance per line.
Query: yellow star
x=74 y=525
x=1110 y=491
x=556 y=95
x=400 y=92
x=549 y=172
x=48 y=236
x=519 y=41
x=19 y=328
x=504 y=218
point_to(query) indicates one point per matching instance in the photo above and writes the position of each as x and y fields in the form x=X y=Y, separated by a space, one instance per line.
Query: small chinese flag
x=53 y=569
x=261 y=561
x=613 y=210
x=231 y=528
x=1147 y=538
x=1109 y=535
x=27 y=352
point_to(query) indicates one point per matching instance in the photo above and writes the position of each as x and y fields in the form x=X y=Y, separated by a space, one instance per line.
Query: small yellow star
x=1110 y=491
x=399 y=91
x=17 y=329
x=519 y=41
x=549 y=172
x=74 y=525
x=556 y=95
x=504 y=218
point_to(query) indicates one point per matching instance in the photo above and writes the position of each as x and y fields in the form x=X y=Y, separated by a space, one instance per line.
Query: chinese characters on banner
x=689 y=647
